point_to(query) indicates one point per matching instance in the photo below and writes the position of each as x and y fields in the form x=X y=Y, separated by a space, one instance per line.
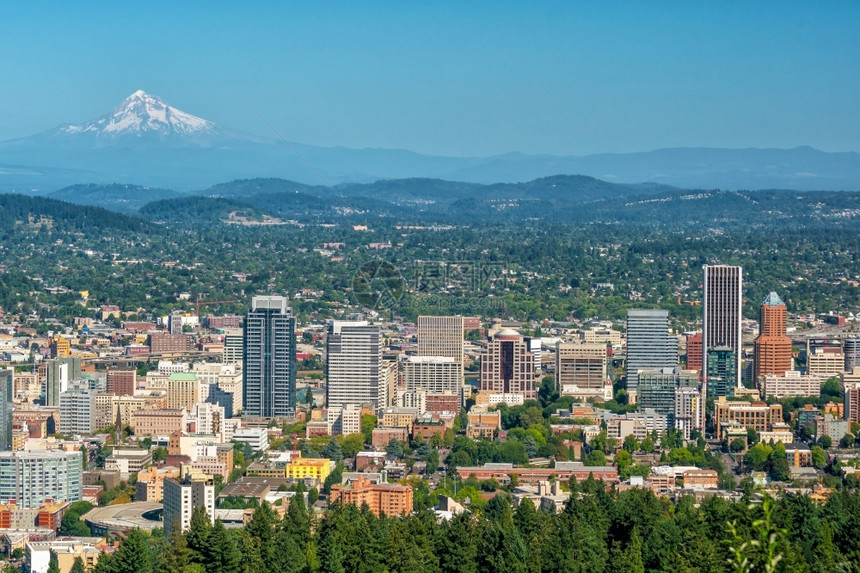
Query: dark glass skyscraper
x=269 y=359
x=649 y=345
x=6 y=409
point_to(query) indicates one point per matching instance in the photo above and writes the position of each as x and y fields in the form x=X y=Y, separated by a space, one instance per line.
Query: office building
x=174 y=323
x=772 y=346
x=756 y=415
x=580 y=368
x=169 y=343
x=224 y=384
x=436 y=374
x=851 y=350
x=690 y=405
x=32 y=477
x=657 y=390
x=60 y=372
x=7 y=376
x=182 y=496
x=78 y=412
x=233 y=343
x=413 y=400
x=60 y=347
x=850 y=382
x=649 y=345
x=824 y=358
x=722 y=305
x=269 y=359
x=346 y=420
x=720 y=371
x=694 y=353
x=441 y=336
x=792 y=383
x=121 y=382
x=508 y=366
x=183 y=391
x=354 y=370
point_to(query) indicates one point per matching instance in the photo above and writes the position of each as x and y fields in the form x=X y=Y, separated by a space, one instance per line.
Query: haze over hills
x=149 y=142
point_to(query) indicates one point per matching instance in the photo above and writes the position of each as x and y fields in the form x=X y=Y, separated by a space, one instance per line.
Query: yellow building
x=60 y=347
x=302 y=468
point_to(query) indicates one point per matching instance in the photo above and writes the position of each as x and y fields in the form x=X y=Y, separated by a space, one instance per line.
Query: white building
x=166 y=367
x=354 y=369
x=77 y=412
x=346 y=420
x=257 y=438
x=791 y=384
x=436 y=374
x=415 y=399
x=182 y=497
x=207 y=418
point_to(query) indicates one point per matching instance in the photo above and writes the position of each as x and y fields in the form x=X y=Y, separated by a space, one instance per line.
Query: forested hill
x=37 y=213
x=114 y=196
x=442 y=203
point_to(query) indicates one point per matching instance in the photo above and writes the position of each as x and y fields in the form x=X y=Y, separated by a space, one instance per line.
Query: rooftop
x=773 y=300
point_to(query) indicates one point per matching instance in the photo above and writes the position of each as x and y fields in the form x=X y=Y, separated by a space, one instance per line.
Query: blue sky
x=458 y=78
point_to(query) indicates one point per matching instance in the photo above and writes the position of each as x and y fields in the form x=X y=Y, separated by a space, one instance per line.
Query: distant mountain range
x=147 y=141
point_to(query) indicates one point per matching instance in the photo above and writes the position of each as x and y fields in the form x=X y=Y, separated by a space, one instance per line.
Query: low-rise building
x=314 y=468
x=700 y=479
x=380 y=437
x=161 y=422
x=390 y=499
x=150 y=483
x=65 y=551
x=395 y=417
x=257 y=438
x=562 y=471
x=128 y=461
x=756 y=415
x=829 y=425
x=790 y=384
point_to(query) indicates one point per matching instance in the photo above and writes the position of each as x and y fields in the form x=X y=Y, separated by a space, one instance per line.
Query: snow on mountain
x=142 y=114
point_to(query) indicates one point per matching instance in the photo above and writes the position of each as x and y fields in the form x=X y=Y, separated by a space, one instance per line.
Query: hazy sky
x=458 y=78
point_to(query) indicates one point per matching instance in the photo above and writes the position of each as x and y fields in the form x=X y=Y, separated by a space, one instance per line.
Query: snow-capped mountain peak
x=142 y=114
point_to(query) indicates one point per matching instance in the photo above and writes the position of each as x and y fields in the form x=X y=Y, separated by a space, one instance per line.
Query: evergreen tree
x=333 y=451
x=176 y=556
x=456 y=545
x=222 y=555
x=197 y=537
x=826 y=556
x=500 y=547
x=297 y=522
x=261 y=530
x=134 y=554
x=53 y=565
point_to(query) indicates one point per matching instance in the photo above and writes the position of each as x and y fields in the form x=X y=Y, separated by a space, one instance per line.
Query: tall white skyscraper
x=722 y=309
x=649 y=346
x=354 y=373
x=269 y=359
